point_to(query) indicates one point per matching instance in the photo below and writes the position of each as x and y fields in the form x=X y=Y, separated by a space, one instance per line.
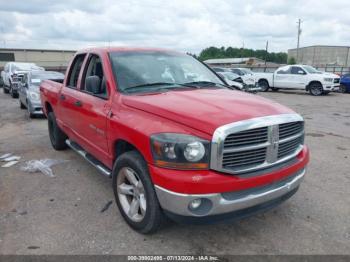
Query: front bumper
x=221 y=203
x=331 y=87
x=35 y=107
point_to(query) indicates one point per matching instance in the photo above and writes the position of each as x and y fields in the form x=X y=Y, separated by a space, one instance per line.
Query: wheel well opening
x=123 y=146
x=48 y=107
x=312 y=82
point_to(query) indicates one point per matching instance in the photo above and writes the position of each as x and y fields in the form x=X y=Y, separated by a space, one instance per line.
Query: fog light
x=194 y=204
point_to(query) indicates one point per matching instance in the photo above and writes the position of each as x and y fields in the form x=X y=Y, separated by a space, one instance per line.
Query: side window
x=297 y=71
x=93 y=80
x=74 y=71
x=283 y=70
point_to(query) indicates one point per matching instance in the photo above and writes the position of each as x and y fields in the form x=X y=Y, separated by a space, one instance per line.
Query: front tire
x=135 y=195
x=316 y=89
x=264 y=85
x=57 y=137
x=6 y=91
x=21 y=105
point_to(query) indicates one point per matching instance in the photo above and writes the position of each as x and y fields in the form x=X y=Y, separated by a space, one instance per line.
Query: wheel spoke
x=126 y=189
x=131 y=177
x=143 y=204
x=134 y=207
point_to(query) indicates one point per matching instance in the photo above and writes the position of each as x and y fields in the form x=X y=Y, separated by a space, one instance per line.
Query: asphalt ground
x=62 y=214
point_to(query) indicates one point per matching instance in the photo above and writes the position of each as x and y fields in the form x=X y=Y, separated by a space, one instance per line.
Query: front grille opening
x=290 y=129
x=244 y=159
x=246 y=138
x=288 y=148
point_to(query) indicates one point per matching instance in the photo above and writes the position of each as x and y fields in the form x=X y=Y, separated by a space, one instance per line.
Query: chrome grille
x=246 y=138
x=336 y=80
x=287 y=148
x=258 y=143
x=290 y=129
x=244 y=158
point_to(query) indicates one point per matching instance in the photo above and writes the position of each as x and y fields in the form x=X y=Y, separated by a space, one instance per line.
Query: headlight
x=180 y=151
x=34 y=95
x=328 y=79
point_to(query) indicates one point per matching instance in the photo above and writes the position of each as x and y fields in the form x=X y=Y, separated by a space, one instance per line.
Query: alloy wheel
x=131 y=194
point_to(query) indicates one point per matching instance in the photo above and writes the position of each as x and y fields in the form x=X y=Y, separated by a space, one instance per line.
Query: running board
x=90 y=158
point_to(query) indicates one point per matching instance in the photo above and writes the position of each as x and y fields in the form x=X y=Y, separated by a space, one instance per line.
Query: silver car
x=29 y=93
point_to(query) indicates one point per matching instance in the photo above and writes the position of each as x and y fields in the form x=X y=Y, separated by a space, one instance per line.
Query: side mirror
x=93 y=84
x=300 y=72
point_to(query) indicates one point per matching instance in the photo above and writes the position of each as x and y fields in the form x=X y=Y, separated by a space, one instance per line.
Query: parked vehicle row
x=22 y=81
x=12 y=73
x=176 y=140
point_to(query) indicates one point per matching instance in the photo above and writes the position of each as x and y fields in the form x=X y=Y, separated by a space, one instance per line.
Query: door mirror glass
x=93 y=84
x=301 y=72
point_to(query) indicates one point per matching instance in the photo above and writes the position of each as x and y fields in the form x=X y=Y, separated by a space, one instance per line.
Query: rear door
x=69 y=98
x=94 y=109
x=281 y=77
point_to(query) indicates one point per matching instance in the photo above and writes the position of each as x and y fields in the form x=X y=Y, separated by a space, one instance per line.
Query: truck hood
x=205 y=109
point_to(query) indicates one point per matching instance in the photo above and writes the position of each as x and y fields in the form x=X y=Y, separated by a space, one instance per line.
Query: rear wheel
x=264 y=85
x=135 y=195
x=342 y=89
x=57 y=137
x=316 y=89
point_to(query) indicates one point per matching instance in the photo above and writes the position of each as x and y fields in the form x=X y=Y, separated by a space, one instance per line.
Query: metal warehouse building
x=50 y=59
x=320 y=55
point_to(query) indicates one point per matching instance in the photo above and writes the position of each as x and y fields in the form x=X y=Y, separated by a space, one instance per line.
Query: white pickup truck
x=299 y=77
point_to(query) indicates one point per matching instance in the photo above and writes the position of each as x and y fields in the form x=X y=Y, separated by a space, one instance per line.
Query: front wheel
x=316 y=89
x=264 y=85
x=135 y=195
x=57 y=137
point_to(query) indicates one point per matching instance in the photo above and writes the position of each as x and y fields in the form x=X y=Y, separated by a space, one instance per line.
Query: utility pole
x=267 y=46
x=299 y=33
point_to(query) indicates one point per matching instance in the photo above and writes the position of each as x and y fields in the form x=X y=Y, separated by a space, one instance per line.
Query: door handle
x=78 y=103
x=62 y=97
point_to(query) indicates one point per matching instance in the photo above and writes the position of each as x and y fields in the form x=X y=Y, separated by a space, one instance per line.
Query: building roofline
x=35 y=50
x=292 y=49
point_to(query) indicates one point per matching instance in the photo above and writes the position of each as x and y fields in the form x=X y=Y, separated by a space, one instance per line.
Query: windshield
x=247 y=71
x=311 y=70
x=229 y=75
x=144 y=71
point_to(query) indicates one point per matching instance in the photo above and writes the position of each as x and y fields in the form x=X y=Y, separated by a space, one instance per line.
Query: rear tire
x=316 y=89
x=264 y=85
x=57 y=137
x=147 y=216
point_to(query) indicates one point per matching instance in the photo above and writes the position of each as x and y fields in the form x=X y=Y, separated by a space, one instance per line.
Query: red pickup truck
x=176 y=141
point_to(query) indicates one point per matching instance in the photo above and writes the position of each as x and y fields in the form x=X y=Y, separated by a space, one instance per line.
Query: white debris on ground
x=42 y=165
x=9 y=159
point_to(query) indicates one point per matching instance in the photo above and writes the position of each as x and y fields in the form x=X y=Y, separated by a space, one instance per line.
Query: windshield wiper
x=200 y=84
x=168 y=84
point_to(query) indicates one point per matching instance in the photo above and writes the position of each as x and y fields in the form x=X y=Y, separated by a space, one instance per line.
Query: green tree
x=291 y=61
x=234 y=52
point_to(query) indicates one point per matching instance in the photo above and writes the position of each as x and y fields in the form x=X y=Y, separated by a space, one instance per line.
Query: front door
x=94 y=109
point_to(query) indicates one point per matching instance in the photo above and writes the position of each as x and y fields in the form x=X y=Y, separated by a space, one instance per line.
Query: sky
x=183 y=25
